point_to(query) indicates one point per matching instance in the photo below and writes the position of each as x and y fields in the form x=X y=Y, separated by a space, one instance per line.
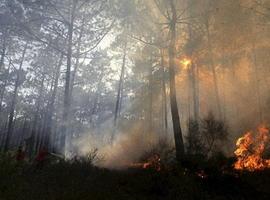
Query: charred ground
x=81 y=180
x=203 y=174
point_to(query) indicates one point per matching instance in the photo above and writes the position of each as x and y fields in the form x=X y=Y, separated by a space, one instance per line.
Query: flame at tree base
x=250 y=150
x=152 y=162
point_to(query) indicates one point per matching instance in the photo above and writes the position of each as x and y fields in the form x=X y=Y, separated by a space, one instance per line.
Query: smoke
x=242 y=91
x=125 y=149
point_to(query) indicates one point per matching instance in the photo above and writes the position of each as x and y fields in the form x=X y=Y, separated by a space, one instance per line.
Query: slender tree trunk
x=4 y=128
x=121 y=80
x=13 y=103
x=189 y=92
x=178 y=137
x=94 y=108
x=150 y=97
x=22 y=133
x=213 y=69
x=67 y=97
x=41 y=141
x=235 y=91
x=197 y=70
x=164 y=94
x=121 y=99
x=51 y=107
x=195 y=95
x=78 y=50
x=3 y=53
x=45 y=119
x=35 y=133
x=3 y=89
x=194 y=75
x=55 y=135
x=257 y=83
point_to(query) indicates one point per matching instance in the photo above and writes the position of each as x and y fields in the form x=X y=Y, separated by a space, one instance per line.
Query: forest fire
x=250 y=150
x=201 y=174
x=152 y=162
x=185 y=62
x=134 y=99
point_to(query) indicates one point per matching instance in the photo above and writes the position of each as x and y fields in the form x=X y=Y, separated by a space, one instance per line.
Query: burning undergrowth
x=159 y=156
x=132 y=148
x=135 y=150
x=252 y=150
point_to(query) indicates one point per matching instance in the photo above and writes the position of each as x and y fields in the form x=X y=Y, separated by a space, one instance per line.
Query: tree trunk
x=121 y=100
x=94 y=108
x=193 y=70
x=150 y=97
x=164 y=94
x=213 y=69
x=3 y=89
x=78 y=50
x=121 y=80
x=66 y=119
x=194 y=85
x=35 y=133
x=257 y=84
x=178 y=137
x=22 y=133
x=234 y=82
x=50 y=108
x=3 y=53
x=41 y=134
x=13 y=103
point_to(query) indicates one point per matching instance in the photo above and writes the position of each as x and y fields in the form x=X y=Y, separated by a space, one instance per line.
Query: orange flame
x=250 y=150
x=185 y=63
x=152 y=163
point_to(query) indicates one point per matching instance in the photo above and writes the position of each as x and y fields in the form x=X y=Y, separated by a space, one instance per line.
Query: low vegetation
x=194 y=178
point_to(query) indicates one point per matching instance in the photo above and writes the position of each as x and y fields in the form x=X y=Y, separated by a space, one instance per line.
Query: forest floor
x=81 y=181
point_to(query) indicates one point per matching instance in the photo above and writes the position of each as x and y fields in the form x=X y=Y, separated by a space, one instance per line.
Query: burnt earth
x=83 y=181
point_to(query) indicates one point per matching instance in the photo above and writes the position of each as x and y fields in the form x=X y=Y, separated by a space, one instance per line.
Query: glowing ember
x=202 y=174
x=250 y=150
x=186 y=62
x=151 y=163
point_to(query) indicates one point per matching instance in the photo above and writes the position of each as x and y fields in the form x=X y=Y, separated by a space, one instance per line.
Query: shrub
x=206 y=137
